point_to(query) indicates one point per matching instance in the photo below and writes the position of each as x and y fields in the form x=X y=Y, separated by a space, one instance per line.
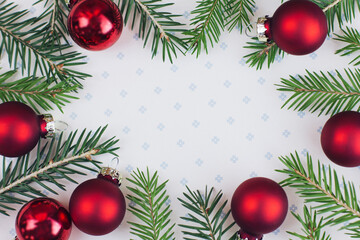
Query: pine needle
x=150 y=206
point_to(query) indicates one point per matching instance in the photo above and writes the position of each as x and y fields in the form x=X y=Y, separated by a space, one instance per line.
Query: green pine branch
x=208 y=23
x=339 y=11
x=207 y=216
x=35 y=92
x=150 y=207
x=239 y=14
x=55 y=15
x=337 y=198
x=350 y=36
x=22 y=40
x=156 y=26
x=327 y=93
x=54 y=162
x=263 y=52
x=312 y=228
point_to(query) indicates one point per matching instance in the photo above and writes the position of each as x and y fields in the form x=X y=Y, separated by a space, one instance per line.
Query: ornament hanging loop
x=114 y=163
x=61 y=126
x=248 y=30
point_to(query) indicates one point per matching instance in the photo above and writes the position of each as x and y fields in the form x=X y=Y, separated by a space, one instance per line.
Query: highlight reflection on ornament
x=259 y=205
x=43 y=219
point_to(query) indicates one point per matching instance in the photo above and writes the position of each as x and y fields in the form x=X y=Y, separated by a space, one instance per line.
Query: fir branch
x=55 y=14
x=352 y=38
x=311 y=226
x=323 y=187
x=54 y=162
x=35 y=92
x=208 y=24
x=263 y=52
x=338 y=10
x=22 y=40
x=206 y=219
x=156 y=24
x=239 y=16
x=327 y=93
x=151 y=207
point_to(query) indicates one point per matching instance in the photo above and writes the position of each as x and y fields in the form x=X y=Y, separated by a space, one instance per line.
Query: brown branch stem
x=157 y=24
x=151 y=212
x=52 y=93
x=212 y=235
x=206 y=22
x=267 y=49
x=52 y=165
x=339 y=202
x=331 y=5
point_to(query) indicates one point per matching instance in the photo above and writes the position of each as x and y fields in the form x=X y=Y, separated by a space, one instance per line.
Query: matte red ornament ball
x=97 y=206
x=95 y=24
x=43 y=219
x=340 y=139
x=259 y=205
x=298 y=27
x=19 y=129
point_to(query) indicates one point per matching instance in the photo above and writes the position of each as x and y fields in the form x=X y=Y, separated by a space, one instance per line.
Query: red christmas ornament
x=259 y=205
x=94 y=24
x=298 y=27
x=340 y=139
x=97 y=206
x=43 y=219
x=21 y=128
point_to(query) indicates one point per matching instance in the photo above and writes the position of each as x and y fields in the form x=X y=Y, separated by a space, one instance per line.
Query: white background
x=208 y=121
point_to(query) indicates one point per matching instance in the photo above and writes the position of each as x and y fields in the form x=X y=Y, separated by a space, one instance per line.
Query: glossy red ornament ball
x=97 y=206
x=298 y=27
x=43 y=219
x=20 y=129
x=95 y=24
x=259 y=205
x=340 y=139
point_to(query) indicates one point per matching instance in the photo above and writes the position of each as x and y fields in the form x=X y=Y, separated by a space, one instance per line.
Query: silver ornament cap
x=111 y=174
x=262 y=28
